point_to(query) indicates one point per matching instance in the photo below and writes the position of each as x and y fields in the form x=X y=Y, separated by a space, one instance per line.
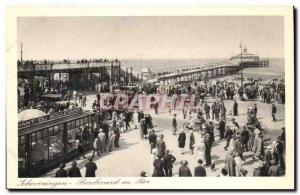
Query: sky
x=154 y=37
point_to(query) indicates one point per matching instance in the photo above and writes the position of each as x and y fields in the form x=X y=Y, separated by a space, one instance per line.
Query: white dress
x=135 y=118
x=200 y=151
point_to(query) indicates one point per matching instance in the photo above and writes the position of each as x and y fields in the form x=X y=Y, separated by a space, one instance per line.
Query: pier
x=78 y=72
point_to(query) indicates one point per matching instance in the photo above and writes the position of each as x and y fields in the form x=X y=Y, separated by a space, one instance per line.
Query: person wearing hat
x=91 y=168
x=255 y=109
x=158 y=167
x=152 y=140
x=235 y=124
x=181 y=141
x=174 y=124
x=61 y=172
x=235 y=108
x=200 y=170
x=273 y=169
x=244 y=139
x=280 y=152
x=169 y=159
x=273 y=112
x=192 y=141
x=222 y=125
x=228 y=135
x=268 y=155
x=184 y=170
x=213 y=110
x=208 y=145
x=207 y=110
x=74 y=171
x=161 y=145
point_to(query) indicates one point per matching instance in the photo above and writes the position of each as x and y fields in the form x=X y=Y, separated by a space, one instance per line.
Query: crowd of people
x=208 y=120
x=269 y=160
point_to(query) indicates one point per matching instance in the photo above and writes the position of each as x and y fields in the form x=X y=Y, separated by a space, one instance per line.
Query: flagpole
x=242 y=78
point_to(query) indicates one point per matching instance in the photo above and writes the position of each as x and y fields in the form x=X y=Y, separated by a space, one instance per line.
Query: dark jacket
x=91 y=168
x=244 y=135
x=158 y=168
x=192 y=141
x=181 y=140
x=273 y=109
x=152 y=139
x=174 y=122
x=199 y=171
x=184 y=171
x=168 y=161
x=61 y=173
x=228 y=133
x=74 y=172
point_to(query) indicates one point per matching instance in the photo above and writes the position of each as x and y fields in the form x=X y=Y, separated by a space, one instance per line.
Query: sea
x=276 y=65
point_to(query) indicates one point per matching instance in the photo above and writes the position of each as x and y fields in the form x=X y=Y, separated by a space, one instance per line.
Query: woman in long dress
x=135 y=119
x=181 y=141
x=200 y=150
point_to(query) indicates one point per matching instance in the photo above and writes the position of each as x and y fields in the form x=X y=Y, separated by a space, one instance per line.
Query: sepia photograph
x=145 y=96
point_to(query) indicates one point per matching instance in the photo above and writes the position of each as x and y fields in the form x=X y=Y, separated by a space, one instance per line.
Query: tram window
x=55 y=129
x=45 y=132
x=72 y=124
x=33 y=137
x=50 y=131
x=39 y=135
x=56 y=146
x=81 y=121
x=77 y=123
x=61 y=127
x=22 y=139
x=68 y=126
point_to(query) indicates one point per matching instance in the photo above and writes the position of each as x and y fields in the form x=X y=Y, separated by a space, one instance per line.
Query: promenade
x=133 y=156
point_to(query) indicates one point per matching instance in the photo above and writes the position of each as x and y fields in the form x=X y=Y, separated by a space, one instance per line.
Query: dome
x=30 y=114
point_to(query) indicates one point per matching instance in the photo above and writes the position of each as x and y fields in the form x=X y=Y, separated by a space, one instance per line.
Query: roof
x=30 y=114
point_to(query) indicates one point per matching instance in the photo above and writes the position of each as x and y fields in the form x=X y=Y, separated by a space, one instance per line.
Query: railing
x=198 y=69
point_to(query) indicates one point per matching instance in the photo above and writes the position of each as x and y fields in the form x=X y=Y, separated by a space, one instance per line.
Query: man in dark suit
x=127 y=120
x=222 y=128
x=200 y=170
x=74 y=170
x=169 y=159
x=91 y=168
x=152 y=140
x=184 y=170
x=228 y=135
x=61 y=171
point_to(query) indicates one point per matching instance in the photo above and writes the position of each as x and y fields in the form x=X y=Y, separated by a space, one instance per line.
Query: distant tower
x=21 y=52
